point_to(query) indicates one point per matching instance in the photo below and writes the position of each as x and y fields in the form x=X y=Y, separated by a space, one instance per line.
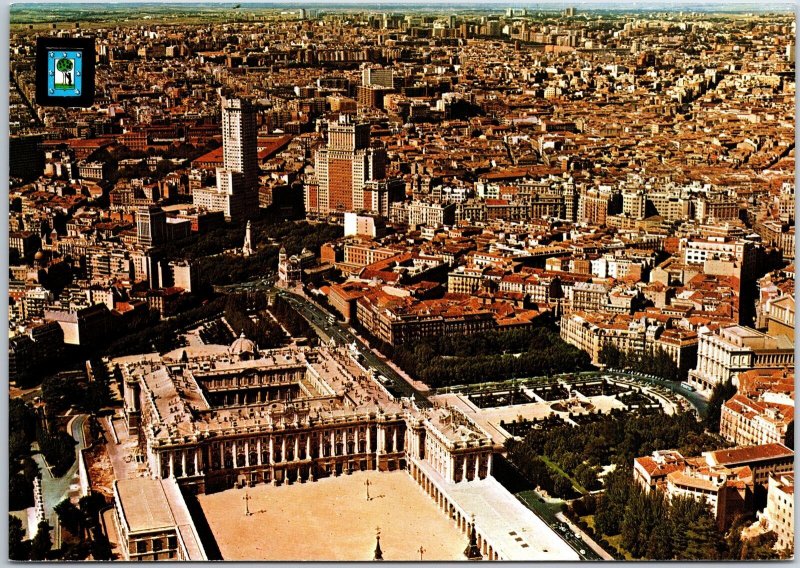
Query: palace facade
x=214 y=416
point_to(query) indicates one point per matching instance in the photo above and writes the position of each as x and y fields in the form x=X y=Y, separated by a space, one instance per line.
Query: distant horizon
x=431 y=5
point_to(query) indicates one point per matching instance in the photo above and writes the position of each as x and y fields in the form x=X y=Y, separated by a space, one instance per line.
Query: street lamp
x=247 y=504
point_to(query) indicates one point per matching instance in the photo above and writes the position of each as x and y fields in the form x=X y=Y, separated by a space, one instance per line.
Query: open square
x=331 y=519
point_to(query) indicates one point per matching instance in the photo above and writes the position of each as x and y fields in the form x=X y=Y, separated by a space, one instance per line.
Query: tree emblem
x=64 y=65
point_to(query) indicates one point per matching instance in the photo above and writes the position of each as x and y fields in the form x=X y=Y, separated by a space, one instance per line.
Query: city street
x=320 y=320
x=697 y=400
x=549 y=512
x=55 y=489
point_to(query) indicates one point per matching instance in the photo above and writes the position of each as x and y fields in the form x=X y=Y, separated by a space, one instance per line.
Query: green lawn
x=554 y=466
x=544 y=509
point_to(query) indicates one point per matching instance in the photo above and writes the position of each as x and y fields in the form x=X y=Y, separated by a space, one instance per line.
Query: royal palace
x=215 y=416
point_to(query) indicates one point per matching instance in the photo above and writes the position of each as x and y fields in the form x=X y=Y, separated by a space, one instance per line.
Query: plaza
x=332 y=519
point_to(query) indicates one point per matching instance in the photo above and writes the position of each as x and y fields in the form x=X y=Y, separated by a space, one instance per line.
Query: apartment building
x=761 y=410
x=779 y=513
x=725 y=479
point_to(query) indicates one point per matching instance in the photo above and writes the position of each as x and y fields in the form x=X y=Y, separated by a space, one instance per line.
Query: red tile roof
x=748 y=454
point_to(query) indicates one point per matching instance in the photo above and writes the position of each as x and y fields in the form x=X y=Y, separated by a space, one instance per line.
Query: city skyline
x=442 y=282
x=604 y=5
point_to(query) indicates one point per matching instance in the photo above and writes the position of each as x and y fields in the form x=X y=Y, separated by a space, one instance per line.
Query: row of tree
x=82 y=523
x=214 y=269
x=58 y=448
x=654 y=361
x=264 y=330
x=22 y=423
x=466 y=359
x=719 y=396
x=294 y=323
x=617 y=438
x=37 y=548
x=81 y=535
x=162 y=335
x=535 y=470
x=63 y=391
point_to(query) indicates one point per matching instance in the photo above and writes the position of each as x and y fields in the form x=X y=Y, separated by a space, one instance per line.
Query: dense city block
x=510 y=283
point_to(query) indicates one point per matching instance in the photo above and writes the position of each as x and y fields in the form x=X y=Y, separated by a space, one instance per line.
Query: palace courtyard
x=331 y=519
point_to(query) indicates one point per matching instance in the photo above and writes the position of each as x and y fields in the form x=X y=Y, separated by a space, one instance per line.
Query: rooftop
x=748 y=454
x=144 y=504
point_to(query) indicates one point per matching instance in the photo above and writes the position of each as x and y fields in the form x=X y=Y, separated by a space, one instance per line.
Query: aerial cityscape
x=402 y=281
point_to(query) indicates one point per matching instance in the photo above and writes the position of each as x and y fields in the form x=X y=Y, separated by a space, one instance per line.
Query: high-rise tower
x=236 y=194
x=239 y=139
x=350 y=172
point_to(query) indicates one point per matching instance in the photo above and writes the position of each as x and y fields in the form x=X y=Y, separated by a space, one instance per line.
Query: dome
x=39 y=255
x=242 y=347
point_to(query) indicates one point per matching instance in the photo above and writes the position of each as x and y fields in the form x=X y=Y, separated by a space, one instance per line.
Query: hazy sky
x=621 y=5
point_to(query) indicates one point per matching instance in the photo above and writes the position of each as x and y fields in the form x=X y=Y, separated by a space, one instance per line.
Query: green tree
x=719 y=395
x=74 y=550
x=22 y=418
x=733 y=538
x=760 y=547
x=64 y=65
x=634 y=523
x=96 y=396
x=41 y=543
x=20 y=492
x=70 y=517
x=703 y=539
x=90 y=506
x=611 y=508
x=18 y=445
x=101 y=547
x=683 y=510
x=611 y=356
x=58 y=449
x=561 y=486
x=59 y=392
x=659 y=543
x=586 y=475
x=18 y=548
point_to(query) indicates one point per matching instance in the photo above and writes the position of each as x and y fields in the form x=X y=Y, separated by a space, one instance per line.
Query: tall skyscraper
x=236 y=193
x=239 y=139
x=349 y=172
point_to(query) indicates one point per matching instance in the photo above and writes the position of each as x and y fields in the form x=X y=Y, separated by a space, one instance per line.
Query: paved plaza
x=331 y=519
